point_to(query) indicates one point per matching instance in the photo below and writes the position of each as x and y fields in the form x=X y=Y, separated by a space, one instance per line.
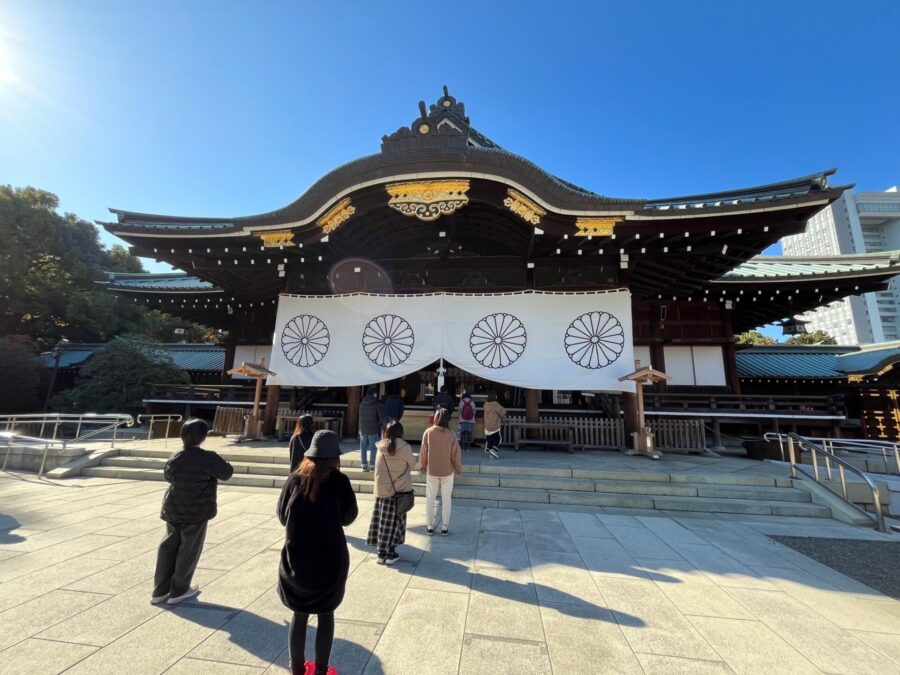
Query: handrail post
x=791 y=455
x=78 y=428
x=8 y=450
x=815 y=461
x=43 y=460
x=843 y=480
x=115 y=431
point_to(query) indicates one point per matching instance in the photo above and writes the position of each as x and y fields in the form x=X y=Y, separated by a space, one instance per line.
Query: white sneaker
x=493 y=453
x=190 y=593
x=158 y=599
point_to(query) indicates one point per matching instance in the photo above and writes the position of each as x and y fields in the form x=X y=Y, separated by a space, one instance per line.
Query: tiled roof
x=790 y=362
x=172 y=281
x=189 y=357
x=815 y=361
x=775 y=267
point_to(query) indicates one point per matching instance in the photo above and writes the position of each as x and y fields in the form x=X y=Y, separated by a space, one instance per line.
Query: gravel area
x=874 y=563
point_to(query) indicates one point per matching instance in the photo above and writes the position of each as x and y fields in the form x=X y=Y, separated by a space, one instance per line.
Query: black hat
x=325 y=445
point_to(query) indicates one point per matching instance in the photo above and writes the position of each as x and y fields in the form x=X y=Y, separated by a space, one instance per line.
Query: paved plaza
x=508 y=591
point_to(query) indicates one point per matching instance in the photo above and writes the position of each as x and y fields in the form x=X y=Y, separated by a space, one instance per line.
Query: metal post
x=9 y=441
x=115 y=431
x=792 y=458
x=897 y=455
x=879 y=516
x=843 y=480
x=78 y=428
x=815 y=460
x=43 y=460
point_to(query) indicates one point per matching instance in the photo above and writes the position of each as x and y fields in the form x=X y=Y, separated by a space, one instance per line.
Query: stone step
x=522 y=493
x=675 y=489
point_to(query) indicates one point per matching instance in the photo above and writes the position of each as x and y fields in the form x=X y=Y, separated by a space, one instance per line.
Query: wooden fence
x=589 y=432
x=669 y=434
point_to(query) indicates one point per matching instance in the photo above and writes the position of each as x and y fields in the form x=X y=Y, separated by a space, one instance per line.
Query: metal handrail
x=29 y=441
x=112 y=421
x=850 y=445
x=830 y=457
x=169 y=418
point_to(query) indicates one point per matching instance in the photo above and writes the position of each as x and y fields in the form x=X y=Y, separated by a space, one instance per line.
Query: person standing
x=440 y=460
x=394 y=407
x=443 y=400
x=467 y=411
x=371 y=421
x=188 y=505
x=393 y=466
x=316 y=503
x=494 y=414
x=301 y=440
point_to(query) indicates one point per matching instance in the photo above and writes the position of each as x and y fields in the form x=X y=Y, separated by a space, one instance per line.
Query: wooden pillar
x=730 y=362
x=630 y=410
x=658 y=361
x=351 y=423
x=273 y=393
x=228 y=364
x=532 y=410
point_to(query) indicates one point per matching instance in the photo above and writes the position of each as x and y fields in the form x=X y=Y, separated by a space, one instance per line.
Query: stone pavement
x=509 y=591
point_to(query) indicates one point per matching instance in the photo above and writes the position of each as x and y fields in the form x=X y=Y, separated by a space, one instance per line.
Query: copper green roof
x=814 y=362
x=172 y=282
x=189 y=357
x=781 y=267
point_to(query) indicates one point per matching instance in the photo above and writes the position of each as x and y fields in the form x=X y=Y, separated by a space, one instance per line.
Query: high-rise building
x=866 y=222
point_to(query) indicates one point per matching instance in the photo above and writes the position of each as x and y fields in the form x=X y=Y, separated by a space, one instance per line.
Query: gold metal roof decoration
x=428 y=200
x=336 y=216
x=523 y=207
x=595 y=227
x=277 y=239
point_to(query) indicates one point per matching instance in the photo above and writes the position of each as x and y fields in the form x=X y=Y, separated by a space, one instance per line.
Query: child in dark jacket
x=188 y=506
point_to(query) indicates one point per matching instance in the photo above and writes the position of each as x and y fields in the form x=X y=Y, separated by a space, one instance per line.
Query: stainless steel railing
x=797 y=444
x=159 y=418
x=61 y=424
x=886 y=450
x=12 y=440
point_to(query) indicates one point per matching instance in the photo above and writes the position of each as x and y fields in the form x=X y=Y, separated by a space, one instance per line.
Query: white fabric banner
x=569 y=341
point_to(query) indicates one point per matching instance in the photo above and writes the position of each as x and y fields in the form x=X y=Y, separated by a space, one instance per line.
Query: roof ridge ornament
x=428 y=200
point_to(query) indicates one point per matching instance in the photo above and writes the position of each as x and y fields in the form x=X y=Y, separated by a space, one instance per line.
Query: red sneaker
x=332 y=671
x=309 y=668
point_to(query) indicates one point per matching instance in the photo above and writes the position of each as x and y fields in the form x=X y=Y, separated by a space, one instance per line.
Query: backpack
x=467 y=412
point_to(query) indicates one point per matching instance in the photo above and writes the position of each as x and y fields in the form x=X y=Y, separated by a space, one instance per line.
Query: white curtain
x=579 y=341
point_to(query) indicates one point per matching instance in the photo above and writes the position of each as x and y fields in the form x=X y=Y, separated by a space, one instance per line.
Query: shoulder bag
x=406 y=499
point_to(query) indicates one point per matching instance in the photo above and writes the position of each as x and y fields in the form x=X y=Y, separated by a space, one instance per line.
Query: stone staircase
x=508 y=485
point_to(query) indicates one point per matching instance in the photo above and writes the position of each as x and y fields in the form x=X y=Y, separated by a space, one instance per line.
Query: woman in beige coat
x=440 y=459
x=394 y=460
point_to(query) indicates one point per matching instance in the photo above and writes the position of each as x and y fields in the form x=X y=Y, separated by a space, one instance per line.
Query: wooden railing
x=590 y=432
x=669 y=434
x=807 y=406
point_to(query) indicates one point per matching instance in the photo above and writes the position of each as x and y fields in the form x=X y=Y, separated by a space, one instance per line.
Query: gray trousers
x=176 y=561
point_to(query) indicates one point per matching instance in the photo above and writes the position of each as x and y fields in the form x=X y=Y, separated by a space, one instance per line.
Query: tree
x=49 y=268
x=21 y=379
x=119 y=376
x=817 y=337
x=754 y=337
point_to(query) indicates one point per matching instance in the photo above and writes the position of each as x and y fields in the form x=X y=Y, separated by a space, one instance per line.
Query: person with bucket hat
x=316 y=503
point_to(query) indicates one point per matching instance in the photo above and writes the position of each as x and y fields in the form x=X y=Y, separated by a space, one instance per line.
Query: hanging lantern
x=794 y=327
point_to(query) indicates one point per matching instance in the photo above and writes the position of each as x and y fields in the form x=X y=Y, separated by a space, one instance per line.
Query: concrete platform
x=534 y=588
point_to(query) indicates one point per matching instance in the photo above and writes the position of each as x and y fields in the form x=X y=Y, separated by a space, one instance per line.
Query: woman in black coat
x=301 y=440
x=316 y=503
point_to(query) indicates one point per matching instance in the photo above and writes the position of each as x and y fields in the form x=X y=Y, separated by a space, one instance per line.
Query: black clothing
x=176 y=561
x=393 y=408
x=492 y=440
x=315 y=561
x=297 y=642
x=193 y=474
x=371 y=416
x=299 y=444
x=443 y=401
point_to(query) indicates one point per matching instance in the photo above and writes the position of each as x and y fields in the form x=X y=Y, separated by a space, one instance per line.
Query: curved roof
x=442 y=143
x=815 y=362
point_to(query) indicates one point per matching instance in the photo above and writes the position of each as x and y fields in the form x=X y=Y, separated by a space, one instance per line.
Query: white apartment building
x=867 y=222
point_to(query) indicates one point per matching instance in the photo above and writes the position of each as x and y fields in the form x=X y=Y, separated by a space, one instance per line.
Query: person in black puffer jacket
x=188 y=505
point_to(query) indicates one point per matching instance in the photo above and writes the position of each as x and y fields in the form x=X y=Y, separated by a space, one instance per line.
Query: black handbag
x=406 y=499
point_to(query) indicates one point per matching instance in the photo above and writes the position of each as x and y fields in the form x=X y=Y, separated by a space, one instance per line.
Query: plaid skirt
x=388 y=528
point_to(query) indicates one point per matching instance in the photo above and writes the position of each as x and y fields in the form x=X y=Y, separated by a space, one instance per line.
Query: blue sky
x=228 y=109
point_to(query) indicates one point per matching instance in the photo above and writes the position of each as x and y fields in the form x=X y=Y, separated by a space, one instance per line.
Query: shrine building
x=444 y=214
